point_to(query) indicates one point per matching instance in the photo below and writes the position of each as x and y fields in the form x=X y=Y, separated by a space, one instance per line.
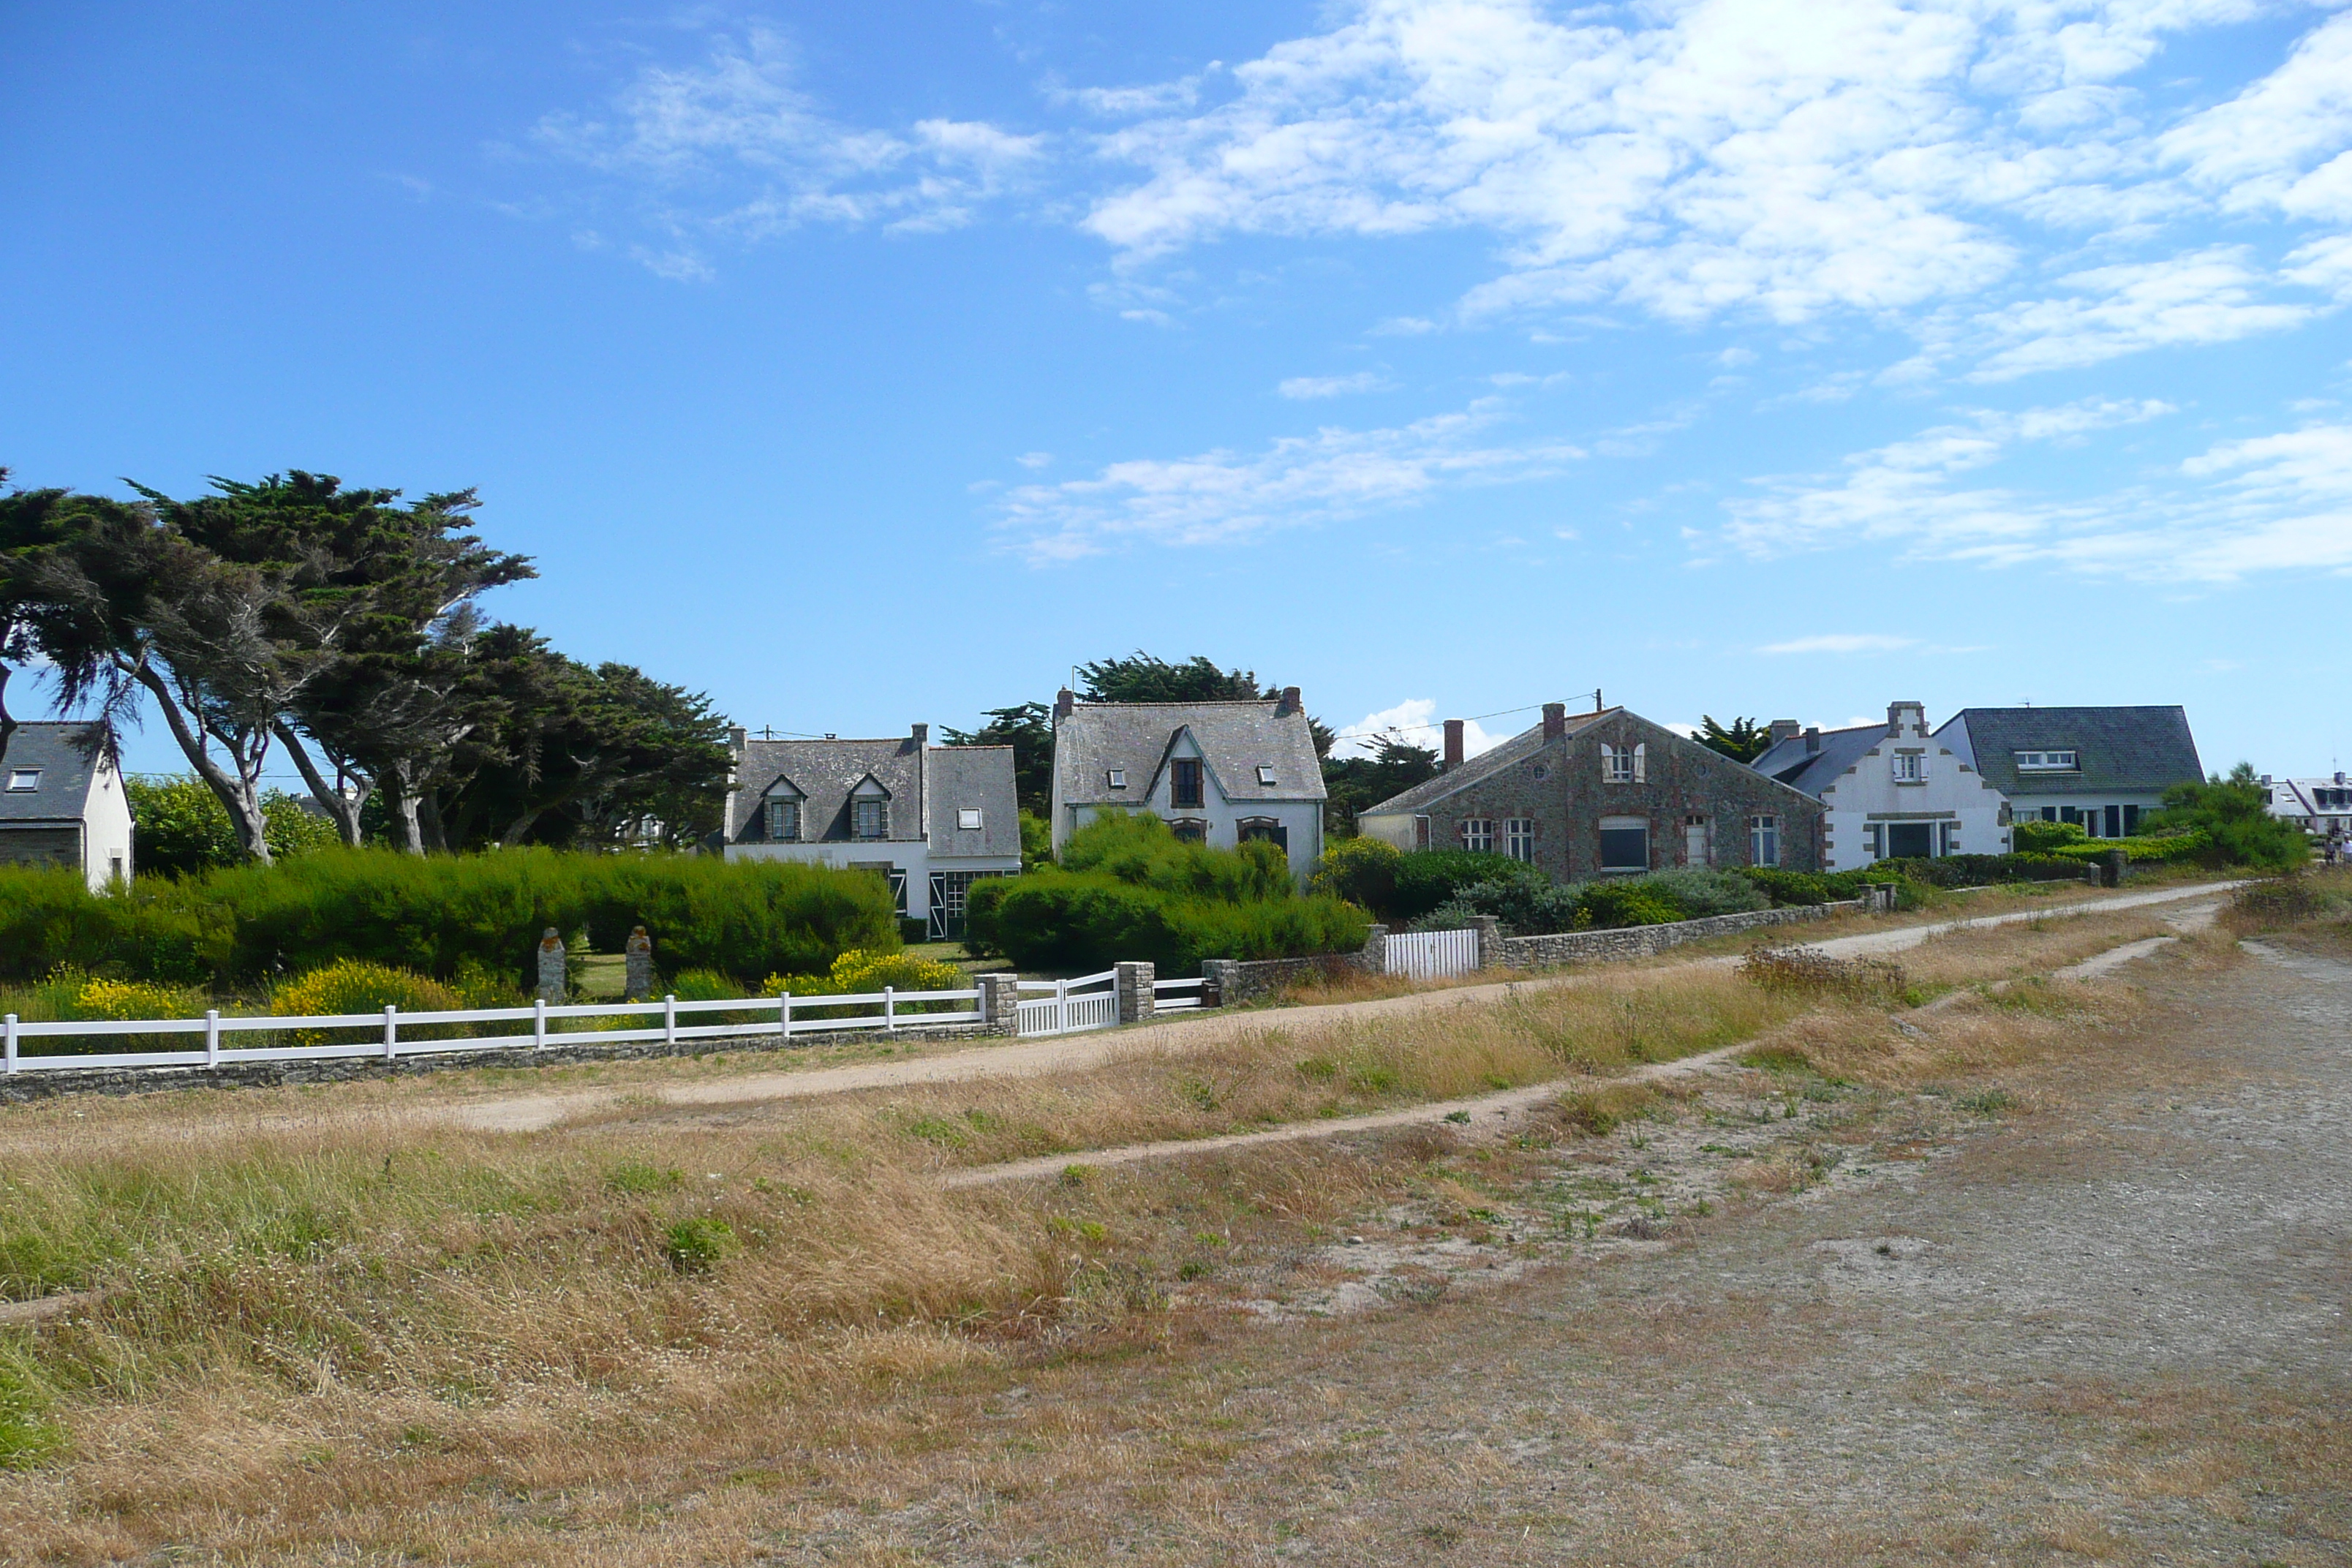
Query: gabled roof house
x=928 y=819
x=62 y=802
x=1892 y=789
x=2101 y=767
x=1217 y=772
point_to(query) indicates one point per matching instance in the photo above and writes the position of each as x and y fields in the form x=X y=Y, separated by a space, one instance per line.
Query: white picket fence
x=1430 y=954
x=773 y=1018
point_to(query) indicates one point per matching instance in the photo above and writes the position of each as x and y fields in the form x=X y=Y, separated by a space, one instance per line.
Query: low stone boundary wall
x=1640 y=941
x=1231 y=982
x=19 y=1087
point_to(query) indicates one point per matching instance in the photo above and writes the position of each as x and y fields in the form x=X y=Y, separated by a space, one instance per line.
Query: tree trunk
x=7 y=723
x=344 y=810
x=400 y=803
x=237 y=795
x=520 y=826
x=428 y=817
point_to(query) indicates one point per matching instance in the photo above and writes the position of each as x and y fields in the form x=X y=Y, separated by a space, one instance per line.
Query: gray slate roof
x=826 y=772
x=1841 y=748
x=1485 y=766
x=1234 y=738
x=2118 y=748
x=68 y=755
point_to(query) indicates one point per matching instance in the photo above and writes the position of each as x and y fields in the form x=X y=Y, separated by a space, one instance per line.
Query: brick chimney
x=1064 y=700
x=1783 y=730
x=1290 y=702
x=1813 y=740
x=1453 y=745
x=1554 y=720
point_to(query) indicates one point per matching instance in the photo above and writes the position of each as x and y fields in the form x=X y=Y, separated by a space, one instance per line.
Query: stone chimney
x=1453 y=745
x=1064 y=700
x=1783 y=730
x=1813 y=740
x=922 y=733
x=1897 y=712
x=736 y=736
x=1290 y=702
x=1554 y=720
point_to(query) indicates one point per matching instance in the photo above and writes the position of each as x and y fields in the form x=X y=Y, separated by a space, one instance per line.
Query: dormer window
x=2047 y=762
x=1265 y=774
x=783 y=808
x=1117 y=778
x=24 y=780
x=869 y=811
x=1184 y=782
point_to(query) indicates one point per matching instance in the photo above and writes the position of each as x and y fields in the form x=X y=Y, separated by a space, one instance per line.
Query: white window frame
x=1520 y=840
x=1625 y=764
x=2055 y=759
x=1478 y=834
x=859 y=806
x=777 y=805
x=24 y=780
x=1764 y=840
x=1910 y=767
x=968 y=819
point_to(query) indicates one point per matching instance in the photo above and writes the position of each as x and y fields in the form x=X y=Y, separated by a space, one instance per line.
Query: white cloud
x=1222 y=495
x=1034 y=460
x=2280 y=502
x=1308 y=386
x=1888 y=159
x=1414 y=721
x=1841 y=642
x=731 y=148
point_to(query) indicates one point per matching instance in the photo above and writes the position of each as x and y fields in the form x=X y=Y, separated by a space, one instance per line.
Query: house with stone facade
x=1216 y=773
x=62 y=802
x=1601 y=795
x=1892 y=789
x=929 y=820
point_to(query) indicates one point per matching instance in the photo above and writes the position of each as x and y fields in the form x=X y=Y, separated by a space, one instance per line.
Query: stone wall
x=20 y=1087
x=1640 y=941
x=1234 y=982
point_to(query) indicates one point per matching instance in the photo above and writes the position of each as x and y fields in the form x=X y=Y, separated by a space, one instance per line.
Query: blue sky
x=867 y=364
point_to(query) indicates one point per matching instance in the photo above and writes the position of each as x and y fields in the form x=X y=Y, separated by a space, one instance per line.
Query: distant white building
x=1217 y=772
x=929 y=820
x=1892 y=789
x=62 y=802
x=2321 y=807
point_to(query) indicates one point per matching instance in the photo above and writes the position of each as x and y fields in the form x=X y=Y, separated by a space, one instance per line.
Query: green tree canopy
x=2234 y=814
x=1743 y=740
x=1353 y=783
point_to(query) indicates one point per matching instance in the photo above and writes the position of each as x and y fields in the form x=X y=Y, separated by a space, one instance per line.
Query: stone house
x=930 y=820
x=2101 y=767
x=1600 y=794
x=62 y=802
x=1892 y=789
x=1216 y=773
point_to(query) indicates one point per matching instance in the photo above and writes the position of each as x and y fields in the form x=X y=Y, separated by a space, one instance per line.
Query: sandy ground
x=2105 y=1324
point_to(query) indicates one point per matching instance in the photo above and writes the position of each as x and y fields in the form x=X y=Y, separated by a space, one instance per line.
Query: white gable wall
x=1962 y=813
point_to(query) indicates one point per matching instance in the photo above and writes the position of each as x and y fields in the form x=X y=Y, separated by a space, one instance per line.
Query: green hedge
x=445 y=916
x=1535 y=908
x=1984 y=870
x=1428 y=877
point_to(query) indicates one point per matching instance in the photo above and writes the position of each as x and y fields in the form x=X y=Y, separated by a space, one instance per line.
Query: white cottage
x=1892 y=789
x=929 y=820
x=1217 y=772
x=2101 y=768
x=62 y=802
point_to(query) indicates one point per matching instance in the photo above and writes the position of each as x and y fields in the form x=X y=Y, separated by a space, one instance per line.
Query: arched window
x=1190 y=830
x=1266 y=829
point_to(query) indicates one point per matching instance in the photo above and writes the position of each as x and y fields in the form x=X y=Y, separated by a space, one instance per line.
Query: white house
x=930 y=819
x=1892 y=790
x=1217 y=772
x=2103 y=768
x=2321 y=807
x=62 y=802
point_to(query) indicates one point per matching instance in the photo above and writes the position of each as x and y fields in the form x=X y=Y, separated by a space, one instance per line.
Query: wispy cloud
x=1311 y=386
x=1220 y=496
x=1414 y=721
x=1841 y=642
x=731 y=148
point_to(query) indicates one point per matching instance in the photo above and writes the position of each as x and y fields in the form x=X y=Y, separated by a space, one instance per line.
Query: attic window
x=23 y=779
x=1265 y=774
x=966 y=818
x=2047 y=762
x=1118 y=778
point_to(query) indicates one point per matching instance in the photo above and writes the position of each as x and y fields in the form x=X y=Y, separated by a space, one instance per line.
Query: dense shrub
x=1627 y=903
x=1363 y=871
x=2233 y=814
x=1700 y=893
x=857 y=974
x=2140 y=850
x=50 y=917
x=1127 y=888
x=438 y=914
x=1534 y=908
x=1984 y=870
x=1805 y=887
x=2031 y=836
x=72 y=995
x=1427 y=878
x=351 y=985
x=182 y=827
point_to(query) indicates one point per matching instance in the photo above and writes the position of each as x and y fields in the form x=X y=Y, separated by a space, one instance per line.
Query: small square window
x=968 y=818
x=22 y=779
x=1265 y=774
x=1118 y=778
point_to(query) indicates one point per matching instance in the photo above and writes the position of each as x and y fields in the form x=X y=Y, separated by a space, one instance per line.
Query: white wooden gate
x=1427 y=954
x=1067 y=1006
